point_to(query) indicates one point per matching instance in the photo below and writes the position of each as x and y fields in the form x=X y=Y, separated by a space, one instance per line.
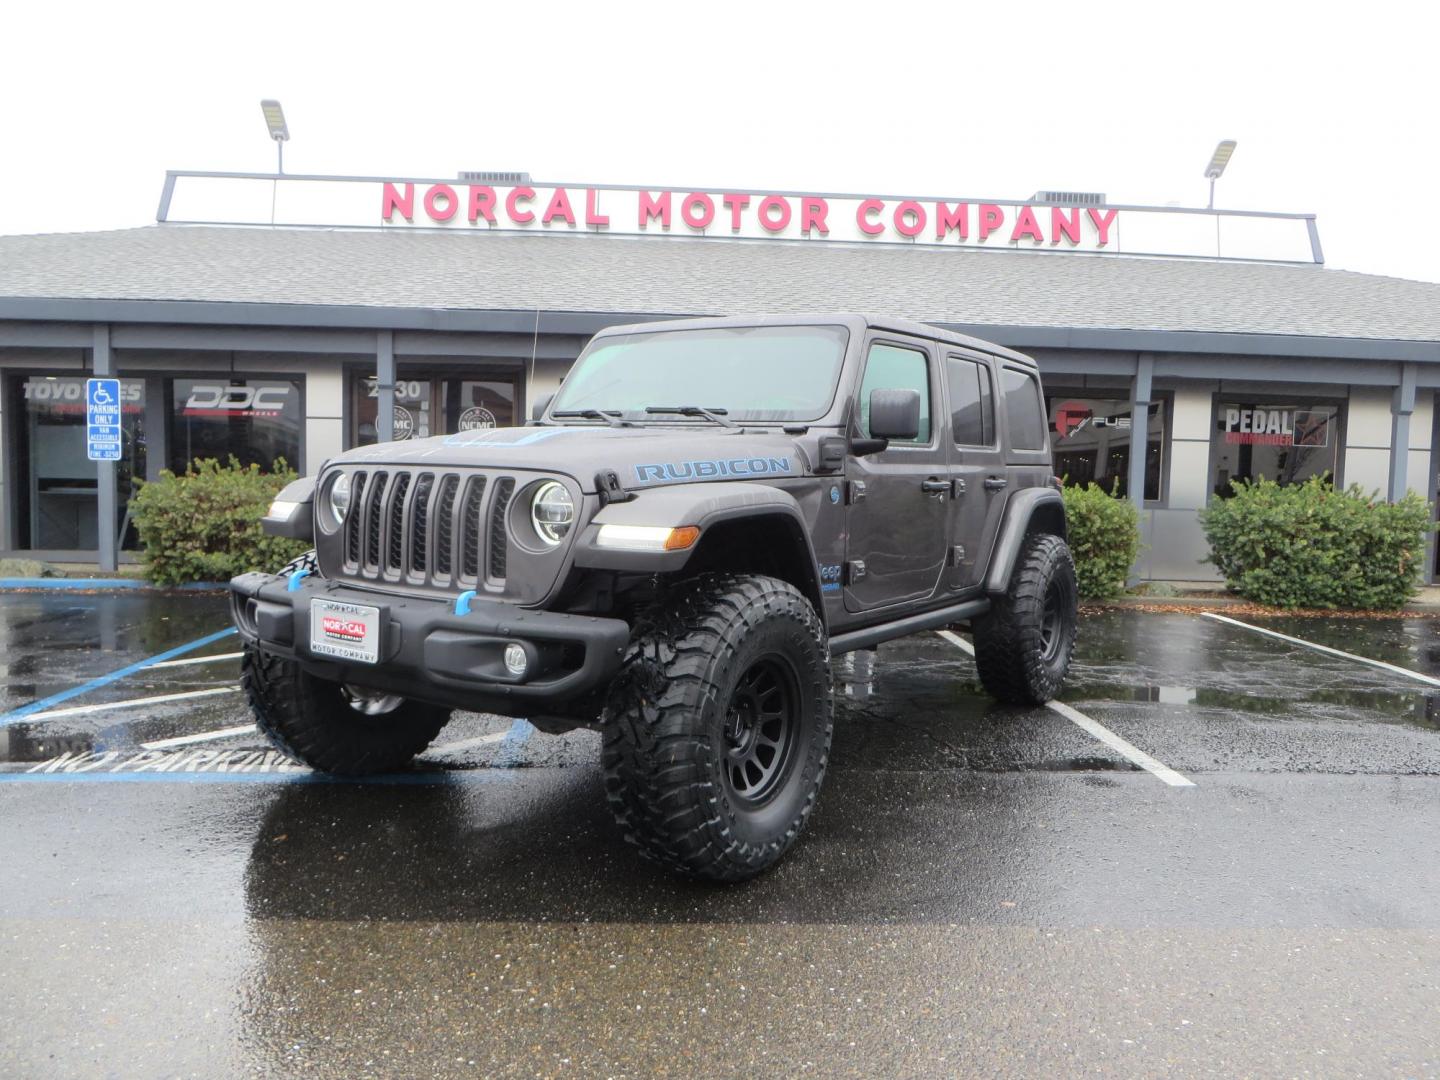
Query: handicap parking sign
x=102 y=419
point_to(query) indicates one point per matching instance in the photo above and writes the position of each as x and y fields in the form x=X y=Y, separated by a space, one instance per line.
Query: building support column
x=1140 y=397
x=385 y=386
x=103 y=365
x=1402 y=405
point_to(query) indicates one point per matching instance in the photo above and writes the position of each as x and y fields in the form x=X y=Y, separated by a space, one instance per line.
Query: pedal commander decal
x=700 y=470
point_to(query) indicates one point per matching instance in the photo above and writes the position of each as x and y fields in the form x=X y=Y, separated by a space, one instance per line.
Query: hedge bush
x=204 y=525
x=1104 y=538
x=1309 y=545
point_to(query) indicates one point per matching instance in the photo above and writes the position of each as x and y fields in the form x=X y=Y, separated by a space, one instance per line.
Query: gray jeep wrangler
x=670 y=553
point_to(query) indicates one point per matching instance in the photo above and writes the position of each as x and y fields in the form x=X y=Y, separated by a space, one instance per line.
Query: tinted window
x=893 y=368
x=256 y=420
x=1091 y=439
x=1022 y=409
x=972 y=402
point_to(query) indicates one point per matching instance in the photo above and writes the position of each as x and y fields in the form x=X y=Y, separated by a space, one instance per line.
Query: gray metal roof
x=674 y=276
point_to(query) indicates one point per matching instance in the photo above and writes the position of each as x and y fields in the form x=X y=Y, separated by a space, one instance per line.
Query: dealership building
x=287 y=317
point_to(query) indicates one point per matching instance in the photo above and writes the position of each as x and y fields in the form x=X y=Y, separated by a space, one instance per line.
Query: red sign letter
x=991 y=218
x=592 y=209
x=1063 y=225
x=862 y=217
x=1026 y=225
x=909 y=219
x=452 y=203
x=957 y=219
x=391 y=200
x=812 y=215
x=769 y=203
x=520 y=217
x=698 y=210
x=736 y=203
x=1103 y=223
x=482 y=203
x=559 y=207
x=655 y=208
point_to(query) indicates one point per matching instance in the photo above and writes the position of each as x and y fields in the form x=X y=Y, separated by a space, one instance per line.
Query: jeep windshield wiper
x=610 y=417
x=714 y=415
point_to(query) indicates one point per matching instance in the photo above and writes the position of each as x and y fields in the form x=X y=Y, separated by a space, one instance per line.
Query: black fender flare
x=1032 y=510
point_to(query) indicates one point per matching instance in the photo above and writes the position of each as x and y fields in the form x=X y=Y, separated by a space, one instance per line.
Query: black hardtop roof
x=853 y=322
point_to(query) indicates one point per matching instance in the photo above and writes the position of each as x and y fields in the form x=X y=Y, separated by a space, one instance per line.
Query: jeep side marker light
x=647 y=537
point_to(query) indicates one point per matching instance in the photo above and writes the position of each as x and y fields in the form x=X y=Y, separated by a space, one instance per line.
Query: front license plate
x=347 y=631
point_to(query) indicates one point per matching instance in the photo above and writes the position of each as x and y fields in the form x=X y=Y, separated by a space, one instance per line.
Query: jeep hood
x=640 y=456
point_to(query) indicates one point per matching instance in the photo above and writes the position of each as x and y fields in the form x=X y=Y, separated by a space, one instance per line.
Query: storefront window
x=412 y=410
x=476 y=404
x=1287 y=443
x=1091 y=441
x=58 y=506
x=256 y=420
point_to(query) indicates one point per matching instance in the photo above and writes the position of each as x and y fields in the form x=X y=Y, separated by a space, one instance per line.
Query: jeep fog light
x=515 y=659
x=647 y=537
x=552 y=512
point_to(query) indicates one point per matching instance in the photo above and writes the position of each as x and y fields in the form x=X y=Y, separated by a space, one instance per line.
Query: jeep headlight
x=552 y=512
x=336 y=503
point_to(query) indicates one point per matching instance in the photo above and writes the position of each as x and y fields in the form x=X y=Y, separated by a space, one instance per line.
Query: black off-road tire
x=721 y=667
x=312 y=721
x=1024 y=642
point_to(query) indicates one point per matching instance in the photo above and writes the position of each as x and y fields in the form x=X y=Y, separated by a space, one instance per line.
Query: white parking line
x=198 y=660
x=467 y=744
x=82 y=710
x=1426 y=679
x=209 y=736
x=1094 y=728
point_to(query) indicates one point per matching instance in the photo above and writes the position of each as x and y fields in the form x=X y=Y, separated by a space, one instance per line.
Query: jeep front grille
x=427 y=528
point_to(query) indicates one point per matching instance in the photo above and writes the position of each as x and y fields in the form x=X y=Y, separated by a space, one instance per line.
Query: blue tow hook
x=462 y=602
x=294 y=585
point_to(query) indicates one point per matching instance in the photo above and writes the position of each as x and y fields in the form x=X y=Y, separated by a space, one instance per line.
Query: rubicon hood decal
x=661 y=472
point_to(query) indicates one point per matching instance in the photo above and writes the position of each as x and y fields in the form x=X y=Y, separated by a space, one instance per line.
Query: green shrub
x=205 y=525
x=1104 y=538
x=1309 y=545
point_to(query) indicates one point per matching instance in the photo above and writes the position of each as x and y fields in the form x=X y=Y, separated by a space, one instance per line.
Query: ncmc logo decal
x=711 y=467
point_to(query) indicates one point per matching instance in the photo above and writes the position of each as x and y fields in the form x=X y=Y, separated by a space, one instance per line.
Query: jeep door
x=977 y=466
x=898 y=517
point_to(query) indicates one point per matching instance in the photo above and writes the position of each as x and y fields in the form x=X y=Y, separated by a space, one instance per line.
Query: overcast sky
x=1332 y=105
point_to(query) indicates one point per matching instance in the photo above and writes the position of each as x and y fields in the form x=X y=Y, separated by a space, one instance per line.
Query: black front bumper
x=429 y=653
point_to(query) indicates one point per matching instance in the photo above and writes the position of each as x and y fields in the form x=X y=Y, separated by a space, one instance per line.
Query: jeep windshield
x=781 y=374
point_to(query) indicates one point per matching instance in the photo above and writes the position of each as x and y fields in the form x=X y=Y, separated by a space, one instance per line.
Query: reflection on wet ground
x=983 y=890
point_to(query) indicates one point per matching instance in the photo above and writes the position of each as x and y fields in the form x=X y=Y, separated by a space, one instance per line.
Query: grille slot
x=395 y=518
x=420 y=523
x=445 y=527
x=499 y=539
x=470 y=528
x=352 y=519
x=373 y=507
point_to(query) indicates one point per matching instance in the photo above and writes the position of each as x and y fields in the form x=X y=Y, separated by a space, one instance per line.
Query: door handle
x=995 y=483
x=934 y=486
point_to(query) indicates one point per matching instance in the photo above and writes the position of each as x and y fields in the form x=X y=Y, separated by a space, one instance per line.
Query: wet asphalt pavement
x=982 y=890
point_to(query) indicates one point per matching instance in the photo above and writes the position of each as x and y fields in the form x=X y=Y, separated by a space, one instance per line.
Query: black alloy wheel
x=760 y=729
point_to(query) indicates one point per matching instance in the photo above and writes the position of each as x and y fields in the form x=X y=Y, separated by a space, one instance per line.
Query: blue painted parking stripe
x=515 y=740
x=30 y=584
x=17 y=715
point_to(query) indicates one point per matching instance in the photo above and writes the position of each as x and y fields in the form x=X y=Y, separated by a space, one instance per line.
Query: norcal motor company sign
x=642 y=211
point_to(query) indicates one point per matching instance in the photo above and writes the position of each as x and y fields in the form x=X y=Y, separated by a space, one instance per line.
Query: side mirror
x=895 y=414
x=541 y=404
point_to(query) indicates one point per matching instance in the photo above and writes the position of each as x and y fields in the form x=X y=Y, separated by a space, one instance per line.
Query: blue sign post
x=102 y=419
